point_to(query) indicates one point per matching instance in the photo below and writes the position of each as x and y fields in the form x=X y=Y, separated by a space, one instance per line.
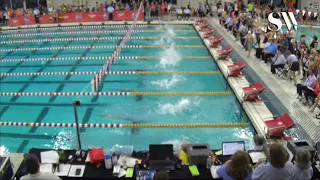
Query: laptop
x=161 y=157
x=229 y=148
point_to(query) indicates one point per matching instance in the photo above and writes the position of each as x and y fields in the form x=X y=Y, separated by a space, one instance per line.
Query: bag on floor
x=259 y=52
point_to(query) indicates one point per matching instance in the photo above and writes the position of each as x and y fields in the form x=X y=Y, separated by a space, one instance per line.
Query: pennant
x=303 y=12
x=297 y=11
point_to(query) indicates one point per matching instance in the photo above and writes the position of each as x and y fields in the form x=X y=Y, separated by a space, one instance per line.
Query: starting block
x=277 y=125
x=235 y=69
x=208 y=33
x=252 y=92
x=203 y=26
x=224 y=53
x=198 y=22
x=215 y=41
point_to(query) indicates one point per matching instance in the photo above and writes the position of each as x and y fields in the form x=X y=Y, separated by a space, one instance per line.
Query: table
x=92 y=172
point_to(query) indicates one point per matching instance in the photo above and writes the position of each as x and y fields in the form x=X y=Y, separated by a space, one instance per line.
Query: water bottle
x=209 y=162
x=114 y=159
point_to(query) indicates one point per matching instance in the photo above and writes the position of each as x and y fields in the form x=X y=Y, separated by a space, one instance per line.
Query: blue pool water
x=117 y=109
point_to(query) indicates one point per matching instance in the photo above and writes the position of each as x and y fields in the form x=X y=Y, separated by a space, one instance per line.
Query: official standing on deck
x=110 y=10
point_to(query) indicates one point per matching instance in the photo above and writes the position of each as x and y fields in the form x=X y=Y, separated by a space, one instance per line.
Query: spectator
x=293 y=65
x=148 y=10
x=314 y=40
x=302 y=169
x=153 y=9
x=157 y=9
x=179 y=13
x=315 y=104
x=110 y=10
x=308 y=83
x=283 y=43
x=161 y=175
x=33 y=168
x=187 y=12
x=36 y=14
x=259 y=142
x=278 y=166
x=279 y=62
x=270 y=51
x=236 y=168
x=311 y=94
x=306 y=63
x=250 y=40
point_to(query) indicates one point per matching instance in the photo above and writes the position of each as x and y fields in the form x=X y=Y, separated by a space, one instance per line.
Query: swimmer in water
x=135 y=121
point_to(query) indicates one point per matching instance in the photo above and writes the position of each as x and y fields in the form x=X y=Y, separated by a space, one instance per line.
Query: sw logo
x=274 y=18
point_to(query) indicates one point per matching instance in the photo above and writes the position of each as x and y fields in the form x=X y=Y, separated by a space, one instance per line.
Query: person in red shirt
x=101 y=8
x=162 y=9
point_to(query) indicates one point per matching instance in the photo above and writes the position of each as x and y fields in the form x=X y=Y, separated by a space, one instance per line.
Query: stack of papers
x=51 y=157
x=63 y=169
x=130 y=162
x=256 y=156
x=213 y=171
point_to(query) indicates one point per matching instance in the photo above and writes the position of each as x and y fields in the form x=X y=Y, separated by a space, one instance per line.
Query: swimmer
x=249 y=42
x=135 y=121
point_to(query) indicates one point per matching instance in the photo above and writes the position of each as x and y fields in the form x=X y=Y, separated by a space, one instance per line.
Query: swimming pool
x=169 y=49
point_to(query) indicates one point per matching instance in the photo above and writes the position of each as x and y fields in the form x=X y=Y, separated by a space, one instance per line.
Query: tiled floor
x=283 y=89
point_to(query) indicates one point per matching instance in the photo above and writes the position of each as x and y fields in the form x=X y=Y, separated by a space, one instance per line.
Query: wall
x=195 y=3
x=305 y=3
x=92 y=3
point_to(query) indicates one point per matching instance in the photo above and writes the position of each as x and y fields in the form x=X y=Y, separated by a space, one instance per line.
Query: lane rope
x=91 y=26
x=93 y=38
x=86 y=32
x=110 y=72
x=99 y=47
x=97 y=58
x=114 y=93
x=87 y=125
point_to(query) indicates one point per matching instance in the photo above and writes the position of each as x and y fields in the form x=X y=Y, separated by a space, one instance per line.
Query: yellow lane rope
x=180 y=93
x=167 y=31
x=226 y=125
x=167 y=46
x=177 y=72
x=183 y=57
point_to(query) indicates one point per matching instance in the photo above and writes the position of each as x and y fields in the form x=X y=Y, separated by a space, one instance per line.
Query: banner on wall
x=127 y=15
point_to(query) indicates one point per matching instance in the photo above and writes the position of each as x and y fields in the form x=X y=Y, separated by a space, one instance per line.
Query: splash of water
x=168 y=83
x=171 y=31
x=170 y=57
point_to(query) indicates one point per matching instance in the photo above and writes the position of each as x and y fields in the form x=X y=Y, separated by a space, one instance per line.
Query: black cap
x=315 y=37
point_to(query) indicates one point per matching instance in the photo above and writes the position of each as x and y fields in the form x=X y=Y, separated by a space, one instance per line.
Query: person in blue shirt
x=302 y=169
x=238 y=168
x=270 y=51
x=278 y=166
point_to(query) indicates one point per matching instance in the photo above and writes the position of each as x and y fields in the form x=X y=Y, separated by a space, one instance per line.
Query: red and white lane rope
x=64 y=93
x=76 y=27
x=97 y=80
x=66 y=59
x=67 y=39
x=69 y=47
x=60 y=125
x=70 y=32
x=63 y=73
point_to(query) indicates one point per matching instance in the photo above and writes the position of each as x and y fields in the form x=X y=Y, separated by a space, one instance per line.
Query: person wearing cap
x=314 y=40
x=32 y=165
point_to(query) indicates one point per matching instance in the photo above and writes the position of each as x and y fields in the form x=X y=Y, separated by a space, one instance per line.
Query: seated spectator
x=279 y=62
x=278 y=166
x=307 y=84
x=236 y=168
x=306 y=58
x=228 y=23
x=293 y=65
x=312 y=93
x=161 y=175
x=302 y=169
x=33 y=167
x=179 y=13
x=270 y=51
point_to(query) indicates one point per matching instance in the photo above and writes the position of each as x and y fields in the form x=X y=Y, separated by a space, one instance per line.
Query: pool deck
x=284 y=90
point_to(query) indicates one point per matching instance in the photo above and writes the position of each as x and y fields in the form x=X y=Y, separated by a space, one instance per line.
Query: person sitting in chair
x=279 y=62
x=293 y=64
x=307 y=84
x=33 y=167
x=270 y=51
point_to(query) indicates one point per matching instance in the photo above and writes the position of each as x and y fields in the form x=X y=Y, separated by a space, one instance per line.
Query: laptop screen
x=229 y=148
x=160 y=152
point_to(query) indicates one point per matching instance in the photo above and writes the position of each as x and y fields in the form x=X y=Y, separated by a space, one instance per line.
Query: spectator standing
x=33 y=167
x=110 y=10
x=314 y=40
x=153 y=9
x=36 y=14
x=293 y=64
x=148 y=10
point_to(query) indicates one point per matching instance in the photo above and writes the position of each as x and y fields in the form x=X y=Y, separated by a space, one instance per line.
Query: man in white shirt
x=110 y=10
x=293 y=64
x=279 y=62
x=187 y=12
x=178 y=11
x=33 y=167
